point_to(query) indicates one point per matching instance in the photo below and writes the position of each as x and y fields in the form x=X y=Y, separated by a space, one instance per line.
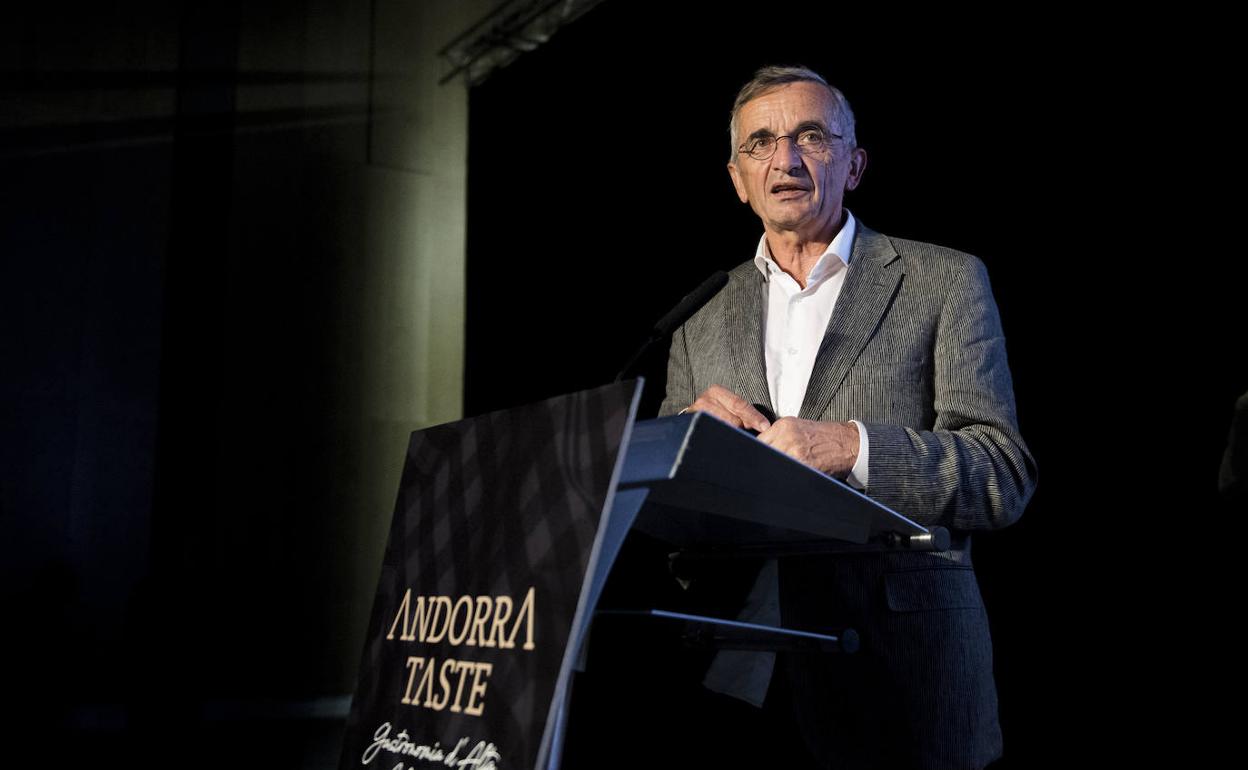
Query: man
x=884 y=363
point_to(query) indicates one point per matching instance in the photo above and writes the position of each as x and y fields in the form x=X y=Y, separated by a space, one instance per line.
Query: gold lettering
x=413 y=663
x=478 y=688
x=420 y=620
x=525 y=617
x=466 y=603
x=485 y=606
x=426 y=685
x=438 y=705
x=401 y=614
x=502 y=611
x=485 y=621
x=441 y=620
x=463 y=669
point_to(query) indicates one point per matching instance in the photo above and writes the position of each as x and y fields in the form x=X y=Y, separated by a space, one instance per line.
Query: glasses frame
x=775 y=145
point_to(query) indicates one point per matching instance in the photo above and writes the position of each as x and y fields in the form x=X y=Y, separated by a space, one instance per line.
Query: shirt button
x=792 y=351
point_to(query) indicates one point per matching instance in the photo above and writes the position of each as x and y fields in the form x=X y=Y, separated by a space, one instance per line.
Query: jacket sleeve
x=679 y=377
x=971 y=471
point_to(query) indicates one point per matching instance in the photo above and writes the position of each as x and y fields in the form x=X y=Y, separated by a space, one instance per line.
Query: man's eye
x=761 y=143
x=811 y=137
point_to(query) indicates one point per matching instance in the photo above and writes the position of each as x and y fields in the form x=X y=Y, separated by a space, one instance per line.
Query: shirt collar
x=840 y=249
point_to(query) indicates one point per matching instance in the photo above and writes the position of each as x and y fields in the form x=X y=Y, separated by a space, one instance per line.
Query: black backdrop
x=1044 y=145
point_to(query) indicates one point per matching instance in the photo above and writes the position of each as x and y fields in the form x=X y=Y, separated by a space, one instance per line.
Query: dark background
x=1088 y=162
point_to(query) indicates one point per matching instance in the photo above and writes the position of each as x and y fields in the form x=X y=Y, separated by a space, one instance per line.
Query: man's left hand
x=831 y=447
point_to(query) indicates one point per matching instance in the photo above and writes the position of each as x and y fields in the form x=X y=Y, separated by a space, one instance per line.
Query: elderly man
x=881 y=362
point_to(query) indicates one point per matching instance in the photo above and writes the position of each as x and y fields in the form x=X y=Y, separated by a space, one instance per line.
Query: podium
x=506 y=529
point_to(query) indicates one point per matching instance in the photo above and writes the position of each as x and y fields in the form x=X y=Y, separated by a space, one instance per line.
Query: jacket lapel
x=875 y=272
x=745 y=319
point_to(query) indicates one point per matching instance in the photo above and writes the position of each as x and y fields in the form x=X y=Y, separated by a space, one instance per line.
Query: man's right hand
x=731 y=408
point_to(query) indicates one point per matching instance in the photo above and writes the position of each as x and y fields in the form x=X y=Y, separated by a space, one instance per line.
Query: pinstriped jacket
x=914 y=351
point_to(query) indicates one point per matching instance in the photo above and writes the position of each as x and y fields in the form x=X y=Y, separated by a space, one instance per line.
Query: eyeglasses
x=808 y=141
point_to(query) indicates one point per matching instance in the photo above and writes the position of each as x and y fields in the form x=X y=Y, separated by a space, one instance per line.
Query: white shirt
x=794 y=323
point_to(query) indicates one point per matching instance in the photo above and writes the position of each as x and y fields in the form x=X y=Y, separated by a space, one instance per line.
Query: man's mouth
x=787 y=189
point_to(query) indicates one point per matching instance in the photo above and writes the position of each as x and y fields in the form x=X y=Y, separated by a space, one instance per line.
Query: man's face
x=795 y=191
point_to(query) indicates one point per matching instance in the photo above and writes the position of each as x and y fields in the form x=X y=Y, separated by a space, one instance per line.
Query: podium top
x=747 y=491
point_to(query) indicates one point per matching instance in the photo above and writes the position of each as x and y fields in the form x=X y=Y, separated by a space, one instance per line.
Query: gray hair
x=771 y=78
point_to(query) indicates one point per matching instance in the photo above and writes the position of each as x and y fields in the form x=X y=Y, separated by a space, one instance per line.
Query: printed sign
x=484 y=586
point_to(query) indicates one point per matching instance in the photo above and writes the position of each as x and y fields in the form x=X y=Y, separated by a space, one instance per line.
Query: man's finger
x=754 y=418
x=717 y=410
x=747 y=416
x=770 y=436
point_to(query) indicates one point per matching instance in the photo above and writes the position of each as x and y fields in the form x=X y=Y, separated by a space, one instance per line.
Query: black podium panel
x=495 y=530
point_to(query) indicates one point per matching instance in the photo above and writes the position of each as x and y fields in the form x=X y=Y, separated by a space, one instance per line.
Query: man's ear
x=857 y=165
x=738 y=182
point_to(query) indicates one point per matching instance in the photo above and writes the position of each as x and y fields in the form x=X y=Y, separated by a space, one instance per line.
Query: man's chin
x=791 y=221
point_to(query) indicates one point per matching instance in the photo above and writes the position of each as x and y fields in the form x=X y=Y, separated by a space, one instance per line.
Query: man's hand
x=731 y=408
x=831 y=447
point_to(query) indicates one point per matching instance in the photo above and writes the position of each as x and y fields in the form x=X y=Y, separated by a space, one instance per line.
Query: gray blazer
x=914 y=351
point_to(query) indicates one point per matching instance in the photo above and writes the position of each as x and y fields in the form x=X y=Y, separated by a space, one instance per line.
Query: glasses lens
x=761 y=148
x=810 y=140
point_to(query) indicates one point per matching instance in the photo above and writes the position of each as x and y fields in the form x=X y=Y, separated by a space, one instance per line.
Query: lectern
x=505 y=531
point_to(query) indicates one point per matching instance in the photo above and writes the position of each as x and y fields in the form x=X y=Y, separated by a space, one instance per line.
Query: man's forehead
x=791 y=103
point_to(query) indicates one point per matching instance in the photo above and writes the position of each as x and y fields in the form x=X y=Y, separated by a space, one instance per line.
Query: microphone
x=690 y=304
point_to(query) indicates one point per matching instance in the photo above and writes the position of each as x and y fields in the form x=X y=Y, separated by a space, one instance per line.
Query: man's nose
x=787 y=155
